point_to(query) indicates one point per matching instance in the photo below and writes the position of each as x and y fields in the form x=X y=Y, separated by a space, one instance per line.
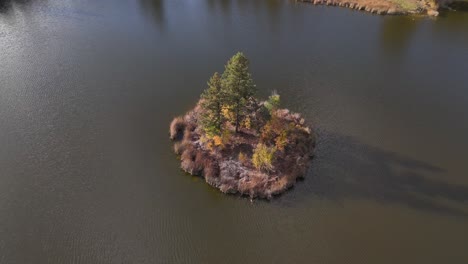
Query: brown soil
x=221 y=167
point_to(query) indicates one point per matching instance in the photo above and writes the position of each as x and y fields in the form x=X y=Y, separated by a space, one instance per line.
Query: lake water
x=87 y=172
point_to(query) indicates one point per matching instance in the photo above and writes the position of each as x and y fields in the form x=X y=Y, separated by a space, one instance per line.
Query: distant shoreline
x=393 y=7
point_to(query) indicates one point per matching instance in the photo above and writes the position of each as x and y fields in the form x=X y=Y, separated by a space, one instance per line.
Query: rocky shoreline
x=390 y=7
x=228 y=166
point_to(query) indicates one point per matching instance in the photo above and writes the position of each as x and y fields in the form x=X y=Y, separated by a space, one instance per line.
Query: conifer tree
x=212 y=102
x=238 y=86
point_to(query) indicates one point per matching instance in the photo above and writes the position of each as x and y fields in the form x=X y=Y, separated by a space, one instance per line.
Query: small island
x=238 y=143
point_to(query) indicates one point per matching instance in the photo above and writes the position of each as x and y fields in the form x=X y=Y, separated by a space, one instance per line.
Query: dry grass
x=407 y=4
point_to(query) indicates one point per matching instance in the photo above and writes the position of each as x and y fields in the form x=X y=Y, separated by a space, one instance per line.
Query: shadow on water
x=155 y=8
x=7 y=5
x=459 y=6
x=453 y=21
x=344 y=168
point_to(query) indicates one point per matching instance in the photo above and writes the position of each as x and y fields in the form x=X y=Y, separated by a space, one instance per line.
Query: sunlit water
x=87 y=173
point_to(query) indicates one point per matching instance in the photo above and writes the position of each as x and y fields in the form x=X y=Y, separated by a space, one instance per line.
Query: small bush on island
x=177 y=128
x=239 y=144
x=262 y=158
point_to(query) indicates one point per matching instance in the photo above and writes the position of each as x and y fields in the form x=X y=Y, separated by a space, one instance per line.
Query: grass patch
x=406 y=4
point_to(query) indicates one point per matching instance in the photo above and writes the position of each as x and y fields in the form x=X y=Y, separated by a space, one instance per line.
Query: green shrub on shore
x=273 y=102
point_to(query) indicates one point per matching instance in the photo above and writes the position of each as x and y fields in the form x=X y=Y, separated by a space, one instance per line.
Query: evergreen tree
x=212 y=102
x=238 y=86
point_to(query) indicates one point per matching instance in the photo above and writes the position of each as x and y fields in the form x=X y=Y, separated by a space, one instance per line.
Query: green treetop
x=212 y=103
x=238 y=86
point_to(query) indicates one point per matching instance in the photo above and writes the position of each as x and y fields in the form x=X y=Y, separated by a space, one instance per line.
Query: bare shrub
x=254 y=184
x=189 y=164
x=281 y=185
x=242 y=158
x=179 y=147
x=281 y=141
x=188 y=135
x=201 y=160
x=230 y=169
x=189 y=153
x=190 y=127
x=211 y=171
x=177 y=128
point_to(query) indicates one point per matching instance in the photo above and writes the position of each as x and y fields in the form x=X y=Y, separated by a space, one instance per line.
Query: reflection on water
x=396 y=34
x=398 y=31
x=460 y=6
x=224 y=5
x=271 y=6
x=155 y=8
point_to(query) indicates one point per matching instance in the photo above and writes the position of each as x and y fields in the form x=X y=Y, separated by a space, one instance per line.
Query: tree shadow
x=344 y=168
x=459 y=6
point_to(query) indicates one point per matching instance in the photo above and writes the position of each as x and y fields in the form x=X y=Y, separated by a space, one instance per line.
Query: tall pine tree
x=212 y=102
x=238 y=86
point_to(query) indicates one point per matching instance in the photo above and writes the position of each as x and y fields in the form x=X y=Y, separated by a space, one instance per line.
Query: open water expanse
x=87 y=172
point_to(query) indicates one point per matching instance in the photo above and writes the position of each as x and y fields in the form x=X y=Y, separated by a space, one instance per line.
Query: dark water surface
x=87 y=174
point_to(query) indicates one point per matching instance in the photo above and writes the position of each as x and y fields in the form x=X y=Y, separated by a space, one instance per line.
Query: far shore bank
x=395 y=7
